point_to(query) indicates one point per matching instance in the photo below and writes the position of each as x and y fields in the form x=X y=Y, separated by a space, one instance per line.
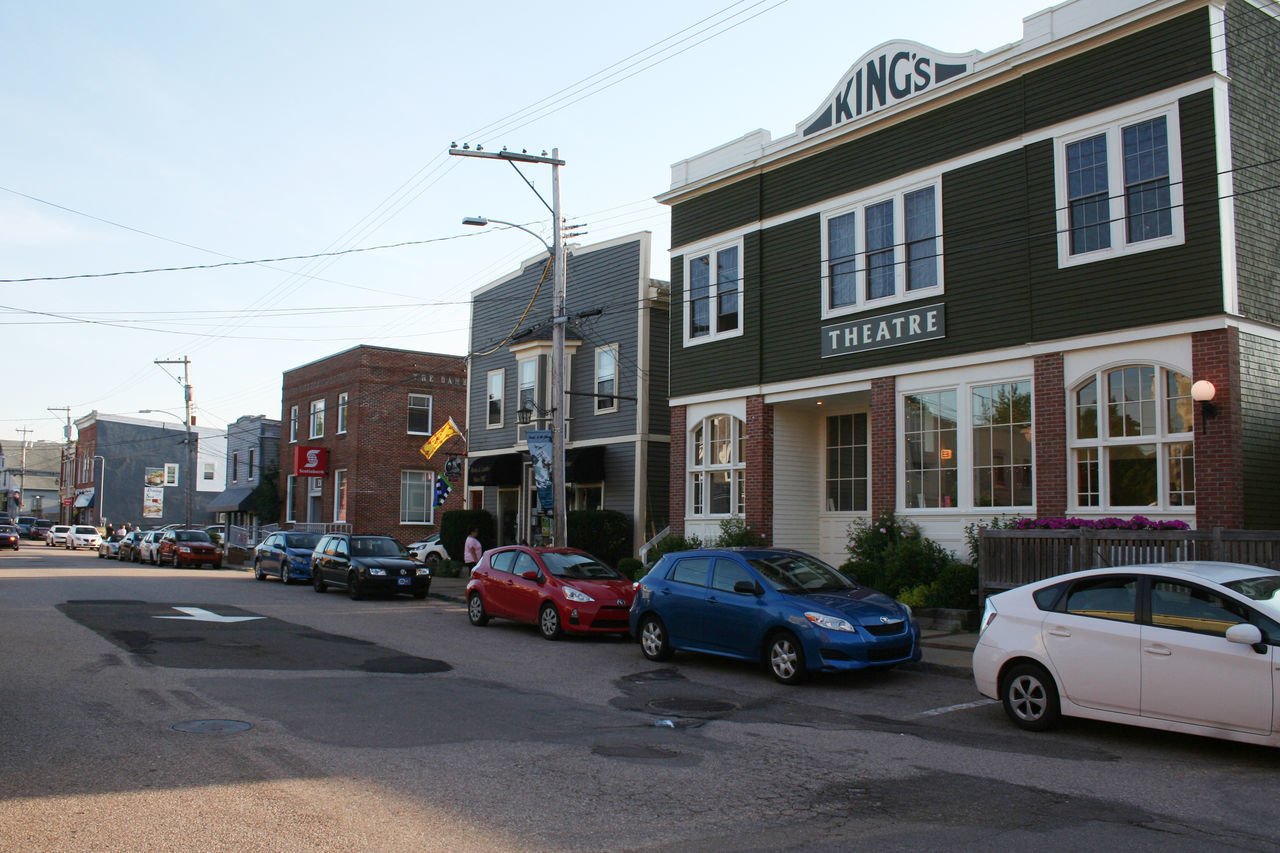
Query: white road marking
x=199 y=614
x=963 y=706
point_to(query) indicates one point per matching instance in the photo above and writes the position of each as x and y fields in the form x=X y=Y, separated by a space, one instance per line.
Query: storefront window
x=930 y=437
x=1002 y=444
x=846 y=475
x=717 y=467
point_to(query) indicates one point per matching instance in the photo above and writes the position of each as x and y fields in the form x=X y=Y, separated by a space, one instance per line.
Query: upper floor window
x=1132 y=439
x=1119 y=189
x=713 y=297
x=342 y=412
x=235 y=467
x=718 y=467
x=497 y=389
x=606 y=379
x=882 y=251
x=419 y=414
x=317 y=419
x=171 y=473
x=251 y=469
x=527 y=375
x=293 y=423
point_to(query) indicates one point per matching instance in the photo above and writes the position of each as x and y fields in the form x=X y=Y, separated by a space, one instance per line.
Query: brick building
x=983 y=284
x=366 y=412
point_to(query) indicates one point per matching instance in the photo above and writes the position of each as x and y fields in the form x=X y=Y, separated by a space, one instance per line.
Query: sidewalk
x=947 y=652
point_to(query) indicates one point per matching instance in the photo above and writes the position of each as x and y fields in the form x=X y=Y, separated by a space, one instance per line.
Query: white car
x=83 y=536
x=57 y=535
x=147 y=547
x=1185 y=647
x=429 y=551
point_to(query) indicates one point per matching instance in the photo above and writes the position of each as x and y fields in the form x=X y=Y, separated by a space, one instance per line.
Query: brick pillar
x=1049 y=434
x=759 y=441
x=1219 y=461
x=884 y=444
x=678 y=482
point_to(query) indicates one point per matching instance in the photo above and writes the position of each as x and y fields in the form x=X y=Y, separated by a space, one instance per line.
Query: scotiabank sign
x=310 y=461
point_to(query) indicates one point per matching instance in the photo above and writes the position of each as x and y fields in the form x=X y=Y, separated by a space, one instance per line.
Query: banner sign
x=153 y=501
x=310 y=461
x=540 y=453
x=886 y=330
x=439 y=437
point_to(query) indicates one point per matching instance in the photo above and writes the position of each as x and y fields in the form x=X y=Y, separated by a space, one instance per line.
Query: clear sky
x=146 y=135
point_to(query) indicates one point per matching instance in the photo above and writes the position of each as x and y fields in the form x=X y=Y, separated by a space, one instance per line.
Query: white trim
x=337 y=492
x=501 y=373
x=1226 y=184
x=311 y=419
x=1112 y=124
x=293 y=424
x=429 y=485
x=1171 y=95
x=711 y=250
x=344 y=400
x=613 y=350
x=409 y=407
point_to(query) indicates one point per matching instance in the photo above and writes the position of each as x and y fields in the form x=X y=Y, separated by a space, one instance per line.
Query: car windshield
x=1264 y=590
x=8 y=528
x=302 y=540
x=192 y=536
x=376 y=546
x=86 y=531
x=580 y=566
x=799 y=573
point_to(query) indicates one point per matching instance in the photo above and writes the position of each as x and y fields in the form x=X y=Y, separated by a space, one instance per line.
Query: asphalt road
x=171 y=710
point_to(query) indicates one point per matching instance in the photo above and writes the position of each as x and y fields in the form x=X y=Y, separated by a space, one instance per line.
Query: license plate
x=404 y=581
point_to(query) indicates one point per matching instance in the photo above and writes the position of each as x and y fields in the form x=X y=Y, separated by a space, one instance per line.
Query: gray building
x=616 y=448
x=29 y=478
x=253 y=446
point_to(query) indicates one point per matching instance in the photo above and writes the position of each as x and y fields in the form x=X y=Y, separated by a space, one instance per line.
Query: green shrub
x=893 y=556
x=956 y=586
x=631 y=568
x=605 y=533
x=456 y=524
x=917 y=596
x=734 y=533
x=672 y=543
x=974 y=528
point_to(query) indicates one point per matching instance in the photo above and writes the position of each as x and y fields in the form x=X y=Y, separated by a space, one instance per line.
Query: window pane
x=1148 y=203
x=842 y=248
x=880 y=269
x=846 y=463
x=1087 y=410
x=1088 y=205
x=1188 y=608
x=922 y=254
x=931 y=450
x=1132 y=471
x=700 y=296
x=720 y=494
x=1178 y=403
x=727 y=281
x=1182 y=474
x=1001 y=443
x=1087 y=491
x=419 y=414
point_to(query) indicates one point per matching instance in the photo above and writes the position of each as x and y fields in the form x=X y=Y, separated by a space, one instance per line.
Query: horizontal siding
x=1260 y=430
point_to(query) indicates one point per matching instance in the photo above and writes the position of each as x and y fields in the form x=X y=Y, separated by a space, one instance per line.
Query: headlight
x=423 y=570
x=300 y=562
x=906 y=607
x=831 y=623
x=576 y=595
x=373 y=570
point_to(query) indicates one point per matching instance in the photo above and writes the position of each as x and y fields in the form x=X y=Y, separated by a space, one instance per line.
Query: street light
x=190 y=472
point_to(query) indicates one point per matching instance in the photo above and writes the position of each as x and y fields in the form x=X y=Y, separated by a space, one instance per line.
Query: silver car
x=83 y=536
x=147 y=547
x=57 y=535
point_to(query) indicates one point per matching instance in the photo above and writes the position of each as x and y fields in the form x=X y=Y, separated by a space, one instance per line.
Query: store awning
x=232 y=500
x=501 y=470
x=84 y=498
x=584 y=464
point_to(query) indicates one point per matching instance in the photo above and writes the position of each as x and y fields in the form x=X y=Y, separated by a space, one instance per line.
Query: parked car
x=83 y=536
x=129 y=550
x=9 y=537
x=785 y=608
x=187 y=548
x=147 y=547
x=57 y=535
x=367 y=564
x=558 y=589
x=1185 y=647
x=40 y=528
x=430 y=551
x=285 y=555
x=24 y=524
x=110 y=547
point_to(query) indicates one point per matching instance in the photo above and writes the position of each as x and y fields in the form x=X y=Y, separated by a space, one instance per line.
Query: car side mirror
x=1248 y=635
x=747 y=588
x=531 y=575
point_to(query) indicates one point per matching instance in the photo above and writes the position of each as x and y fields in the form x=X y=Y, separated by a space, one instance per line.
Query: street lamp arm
x=483 y=221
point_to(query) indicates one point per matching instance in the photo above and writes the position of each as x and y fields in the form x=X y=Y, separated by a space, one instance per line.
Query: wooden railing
x=1009 y=558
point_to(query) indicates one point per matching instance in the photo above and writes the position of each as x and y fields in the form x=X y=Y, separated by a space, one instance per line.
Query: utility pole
x=22 y=472
x=64 y=512
x=190 y=474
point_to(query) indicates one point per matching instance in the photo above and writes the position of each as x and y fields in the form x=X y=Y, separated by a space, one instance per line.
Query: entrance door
x=508 y=516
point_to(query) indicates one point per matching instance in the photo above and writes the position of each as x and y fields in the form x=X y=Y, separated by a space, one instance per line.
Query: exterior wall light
x=1202 y=391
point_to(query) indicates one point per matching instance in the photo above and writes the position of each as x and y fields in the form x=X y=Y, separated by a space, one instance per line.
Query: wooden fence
x=1009 y=558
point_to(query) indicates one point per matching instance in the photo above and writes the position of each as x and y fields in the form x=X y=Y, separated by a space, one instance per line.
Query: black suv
x=367 y=564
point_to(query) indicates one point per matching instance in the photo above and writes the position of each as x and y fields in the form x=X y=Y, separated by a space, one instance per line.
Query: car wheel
x=1030 y=697
x=475 y=610
x=653 y=639
x=354 y=587
x=137 y=556
x=284 y=575
x=549 y=622
x=786 y=658
x=258 y=574
x=101 y=556
x=317 y=583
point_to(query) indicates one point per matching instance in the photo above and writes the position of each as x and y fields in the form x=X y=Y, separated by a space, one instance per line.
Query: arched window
x=717 y=467
x=1132 y=439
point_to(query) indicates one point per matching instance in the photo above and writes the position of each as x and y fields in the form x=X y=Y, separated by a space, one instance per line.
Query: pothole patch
x=212 y=727
x=687 y=707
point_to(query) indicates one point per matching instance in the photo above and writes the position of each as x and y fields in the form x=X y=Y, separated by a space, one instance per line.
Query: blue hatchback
x=790 y=610
x=285 y=555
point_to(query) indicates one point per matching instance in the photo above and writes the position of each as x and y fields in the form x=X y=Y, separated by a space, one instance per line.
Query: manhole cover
x=212 y=727
x=690 y=707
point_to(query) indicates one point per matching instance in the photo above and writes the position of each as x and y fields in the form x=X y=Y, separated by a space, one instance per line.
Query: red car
x=188 y=548
x=558 y=589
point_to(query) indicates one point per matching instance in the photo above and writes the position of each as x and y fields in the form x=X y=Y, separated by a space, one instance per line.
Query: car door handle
x=1157 y=650
x=1059 y=632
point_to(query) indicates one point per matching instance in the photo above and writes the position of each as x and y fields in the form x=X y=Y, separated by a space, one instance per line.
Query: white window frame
x=828 y=476
x=495 y=379
x=289 y=509
x=315 y=420
x=611 y=350
x=315 y=486
x=964 y=450
x=524 y=366
x=858 y=206
x=171 y=470
x=712 y=251
x=340 y=494
x=293 y=424
x=1113 y=129
x=235 y=467
x=428 y=486
x=410 y=407
x=210 y=470
x=1162 y=438
x=701 y=472
x=342 y=412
